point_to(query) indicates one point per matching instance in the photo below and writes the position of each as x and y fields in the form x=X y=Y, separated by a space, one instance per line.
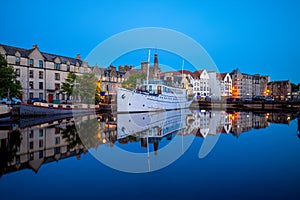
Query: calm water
x=169 y=155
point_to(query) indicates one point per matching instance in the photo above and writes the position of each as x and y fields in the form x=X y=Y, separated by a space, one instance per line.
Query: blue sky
x=256 y=36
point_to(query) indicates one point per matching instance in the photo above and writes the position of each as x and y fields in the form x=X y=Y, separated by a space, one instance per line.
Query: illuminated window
x=30 y=84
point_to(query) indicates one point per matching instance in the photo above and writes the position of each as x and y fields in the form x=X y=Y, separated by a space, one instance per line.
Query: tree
x=295 y=87
x=86 y=86
x=131 y=81
x=68 y=86
x=8 y=80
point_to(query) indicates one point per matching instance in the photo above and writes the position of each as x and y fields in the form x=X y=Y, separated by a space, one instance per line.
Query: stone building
x=259 y=85
x=241 y=84
x=279 y=89
x=41 y=74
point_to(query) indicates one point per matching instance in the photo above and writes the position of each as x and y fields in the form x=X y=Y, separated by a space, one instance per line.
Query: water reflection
x=30 y=143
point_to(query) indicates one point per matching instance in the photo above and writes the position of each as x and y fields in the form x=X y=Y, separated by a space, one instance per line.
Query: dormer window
x=57 y=66
x=41 y=64
x=68 y=68
x=31 y=62
x=17 y=60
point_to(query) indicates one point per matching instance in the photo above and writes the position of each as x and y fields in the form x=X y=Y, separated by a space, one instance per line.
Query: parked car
x=247 y=99
x=269 y=99
x=32 y=100
x=259 y=98
x=12 y=101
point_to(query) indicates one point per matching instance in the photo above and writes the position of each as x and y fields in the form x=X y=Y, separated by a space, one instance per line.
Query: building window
x=17 y=60
x=30 y=84
x=41 y=64
x=31 y=62
x=57 y=140
x=68 y=68
x=57 y=86
x=30 y=95
x=63 y=96
x=18 y=72
x=57 y=96
x=41 y=154
x=57 y=130
x=31 y=134
x=57 y=66
x=30 y=73
x=31 y=145
x=41 y=143
x=57 y=76
x=41 y=75
x=40 y=85
x=31 y=156
x=41 y=95
x=41 y=133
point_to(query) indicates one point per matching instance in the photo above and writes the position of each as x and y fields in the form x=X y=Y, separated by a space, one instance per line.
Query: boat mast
x=148 y=66
x=182 y=73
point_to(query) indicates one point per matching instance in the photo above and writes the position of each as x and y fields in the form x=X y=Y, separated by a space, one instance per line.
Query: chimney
x=78 y=56
x=35 y=46
x=155 y=61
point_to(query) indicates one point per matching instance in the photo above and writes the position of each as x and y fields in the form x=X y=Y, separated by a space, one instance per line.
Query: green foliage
x=295 y=87
x=86 y=87
x=131 y=81
x=69 y=84
x=8 y=80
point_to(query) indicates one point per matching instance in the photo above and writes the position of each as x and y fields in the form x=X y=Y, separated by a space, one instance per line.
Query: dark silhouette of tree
x=71 y=136
x=8 y=151
x=8 y=80
x=68 y=86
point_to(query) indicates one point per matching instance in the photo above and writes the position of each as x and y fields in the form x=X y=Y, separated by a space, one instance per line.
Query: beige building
x=41 y=74
x=259 y=85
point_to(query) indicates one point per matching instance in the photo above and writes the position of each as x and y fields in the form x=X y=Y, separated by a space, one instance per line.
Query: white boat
x=153 y=97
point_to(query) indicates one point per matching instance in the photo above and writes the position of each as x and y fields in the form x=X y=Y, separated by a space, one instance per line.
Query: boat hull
x=32 y=110
x=132 y=101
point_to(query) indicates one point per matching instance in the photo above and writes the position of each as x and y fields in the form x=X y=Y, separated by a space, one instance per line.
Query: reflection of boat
x=5 y=113
x=151 y=124
x=152 y=97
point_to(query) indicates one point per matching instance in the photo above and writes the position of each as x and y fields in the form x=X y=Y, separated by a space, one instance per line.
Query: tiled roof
x=10 y=50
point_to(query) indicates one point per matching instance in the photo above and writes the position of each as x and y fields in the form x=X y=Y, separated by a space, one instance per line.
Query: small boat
x=153 y=96
x=5 y=113
x=38 y=109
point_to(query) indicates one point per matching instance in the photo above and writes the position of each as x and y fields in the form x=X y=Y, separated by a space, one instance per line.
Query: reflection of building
x=241 y=122
x=41 y=144
x=280 y=89
x=41 y=74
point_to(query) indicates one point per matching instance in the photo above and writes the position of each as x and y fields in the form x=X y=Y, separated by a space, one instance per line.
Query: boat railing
x=66 y=106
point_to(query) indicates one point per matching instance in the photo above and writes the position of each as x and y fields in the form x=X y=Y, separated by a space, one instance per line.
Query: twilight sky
x=256 y=36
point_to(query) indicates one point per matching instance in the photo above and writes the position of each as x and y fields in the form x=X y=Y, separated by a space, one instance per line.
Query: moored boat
x=38 y=109
x=153 y=96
